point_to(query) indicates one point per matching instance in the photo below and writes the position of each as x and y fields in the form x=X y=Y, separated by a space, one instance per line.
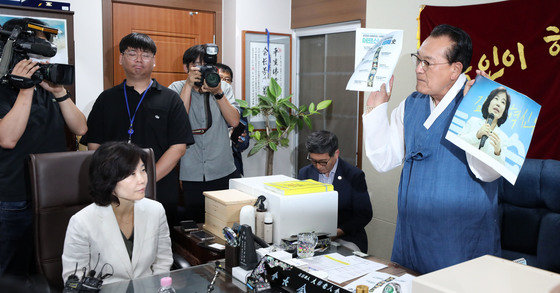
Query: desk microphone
x=485 y=137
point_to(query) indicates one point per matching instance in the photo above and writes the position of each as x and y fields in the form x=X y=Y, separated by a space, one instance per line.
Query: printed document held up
x=377 y=51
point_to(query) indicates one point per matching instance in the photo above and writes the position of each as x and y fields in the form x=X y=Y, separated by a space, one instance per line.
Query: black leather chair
x=531 y=215
x=60 y=188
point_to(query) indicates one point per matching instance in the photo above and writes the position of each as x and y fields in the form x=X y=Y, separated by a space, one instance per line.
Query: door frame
x=107 y=18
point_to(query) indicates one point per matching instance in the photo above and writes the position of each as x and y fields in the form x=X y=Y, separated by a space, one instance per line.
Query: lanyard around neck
x=131 y=119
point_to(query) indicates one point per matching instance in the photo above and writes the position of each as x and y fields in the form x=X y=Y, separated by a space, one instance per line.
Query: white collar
x=442 y=105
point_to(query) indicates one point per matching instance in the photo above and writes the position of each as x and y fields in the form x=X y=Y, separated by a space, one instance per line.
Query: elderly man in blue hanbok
x=448 y=200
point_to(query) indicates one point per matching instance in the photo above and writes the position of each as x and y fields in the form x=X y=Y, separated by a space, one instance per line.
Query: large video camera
x=209 y=71
x=22 y=43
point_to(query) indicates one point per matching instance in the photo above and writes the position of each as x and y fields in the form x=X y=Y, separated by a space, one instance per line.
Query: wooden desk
x=188 y=247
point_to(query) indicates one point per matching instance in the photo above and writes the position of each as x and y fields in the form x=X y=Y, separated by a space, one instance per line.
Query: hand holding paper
x=470 y=83
x=381 y=96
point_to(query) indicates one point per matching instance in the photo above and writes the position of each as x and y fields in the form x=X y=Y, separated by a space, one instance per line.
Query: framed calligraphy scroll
x=265 y=56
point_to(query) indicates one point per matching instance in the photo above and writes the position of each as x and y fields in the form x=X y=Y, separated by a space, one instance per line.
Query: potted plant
x=287 y=118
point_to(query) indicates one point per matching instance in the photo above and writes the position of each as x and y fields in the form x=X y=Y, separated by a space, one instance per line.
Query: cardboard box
x=487 y=274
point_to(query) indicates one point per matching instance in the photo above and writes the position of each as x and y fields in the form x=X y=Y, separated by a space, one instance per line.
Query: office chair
x=531 y=215
x=60 y=188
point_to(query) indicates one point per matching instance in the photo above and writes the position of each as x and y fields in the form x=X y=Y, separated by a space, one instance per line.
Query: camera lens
x=212 y=79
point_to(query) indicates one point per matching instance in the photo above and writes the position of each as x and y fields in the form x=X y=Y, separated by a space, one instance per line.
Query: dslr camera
x=22 y=43
x=209 y=71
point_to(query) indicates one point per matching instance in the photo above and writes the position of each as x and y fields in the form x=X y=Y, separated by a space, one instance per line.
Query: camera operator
x=208 y=164
x=32 y=120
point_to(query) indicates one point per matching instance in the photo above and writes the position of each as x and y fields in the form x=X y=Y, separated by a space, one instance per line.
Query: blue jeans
x=16 y=240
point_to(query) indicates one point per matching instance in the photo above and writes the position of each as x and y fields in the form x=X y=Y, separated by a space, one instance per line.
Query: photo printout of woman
x=495 y=124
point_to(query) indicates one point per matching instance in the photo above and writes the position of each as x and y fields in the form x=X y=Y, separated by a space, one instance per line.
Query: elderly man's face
x=440 y=76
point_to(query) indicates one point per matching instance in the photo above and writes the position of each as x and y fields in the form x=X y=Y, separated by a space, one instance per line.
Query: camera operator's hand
x=194 y=76
x=57 y=90
x=213 y=90
x=25 y=68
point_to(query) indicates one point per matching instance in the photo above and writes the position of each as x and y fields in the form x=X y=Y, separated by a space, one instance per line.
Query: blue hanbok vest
x=445 y=215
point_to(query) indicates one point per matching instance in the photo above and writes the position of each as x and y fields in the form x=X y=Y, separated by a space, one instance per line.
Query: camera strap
x=208 y=116
x=8 y=52
x=21 y=82
x=131 y=119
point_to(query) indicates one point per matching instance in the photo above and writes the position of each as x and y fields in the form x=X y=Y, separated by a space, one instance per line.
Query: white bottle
x=259 y=216
x=247 y=216
x=166 y=285
x=268 y=222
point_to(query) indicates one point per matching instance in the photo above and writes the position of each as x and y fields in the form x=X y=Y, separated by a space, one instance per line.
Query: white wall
x=396 y=14
x=88 y=51
x=256 y=15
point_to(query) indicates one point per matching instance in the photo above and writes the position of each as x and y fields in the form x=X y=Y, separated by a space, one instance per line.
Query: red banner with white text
x=517 y=43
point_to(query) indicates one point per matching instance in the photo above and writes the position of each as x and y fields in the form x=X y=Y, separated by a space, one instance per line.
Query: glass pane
x=342 y=117
x=311 y=88
x=312 y=54
x=340 y=52
x=325 y=77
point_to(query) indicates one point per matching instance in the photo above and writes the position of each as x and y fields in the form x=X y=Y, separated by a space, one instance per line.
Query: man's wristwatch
x=63 y=98
x=219 y=96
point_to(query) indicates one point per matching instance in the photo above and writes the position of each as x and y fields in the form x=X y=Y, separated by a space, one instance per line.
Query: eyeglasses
x=319 y=163
x=423 y=63
x=133 y=55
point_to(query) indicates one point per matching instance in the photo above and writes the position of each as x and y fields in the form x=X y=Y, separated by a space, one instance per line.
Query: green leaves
x=288 y=117
x=324 y=104
x=258 y=146
x=274 y=88
x=307 y=121
x=272 y=145
x=242 y=103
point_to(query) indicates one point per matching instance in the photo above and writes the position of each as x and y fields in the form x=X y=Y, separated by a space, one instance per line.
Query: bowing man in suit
x=354 y=205
x=121 y=228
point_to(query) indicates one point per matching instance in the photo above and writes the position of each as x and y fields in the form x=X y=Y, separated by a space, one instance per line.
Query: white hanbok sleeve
x=384 y=139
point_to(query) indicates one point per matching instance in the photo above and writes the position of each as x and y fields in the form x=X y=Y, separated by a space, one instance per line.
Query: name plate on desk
x=272 y=273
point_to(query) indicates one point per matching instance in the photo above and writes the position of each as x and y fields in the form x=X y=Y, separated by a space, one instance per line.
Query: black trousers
x=194 y=199
x=168 y=196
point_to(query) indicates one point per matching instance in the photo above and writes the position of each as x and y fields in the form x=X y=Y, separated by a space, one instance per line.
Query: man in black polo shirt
x=32 y=121
x=143 y=112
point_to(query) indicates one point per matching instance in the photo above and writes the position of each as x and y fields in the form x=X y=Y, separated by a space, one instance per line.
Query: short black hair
x=137 y=41
x=225 y=68
x=192 y=53
x=461 y=50
x=111 y=163
x=491 y=96
x=322 y=142
x=23 y=22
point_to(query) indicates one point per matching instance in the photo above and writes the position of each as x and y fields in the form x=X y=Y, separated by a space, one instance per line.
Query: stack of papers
x=293 y=187
x=342 y=268
x=377 y=281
